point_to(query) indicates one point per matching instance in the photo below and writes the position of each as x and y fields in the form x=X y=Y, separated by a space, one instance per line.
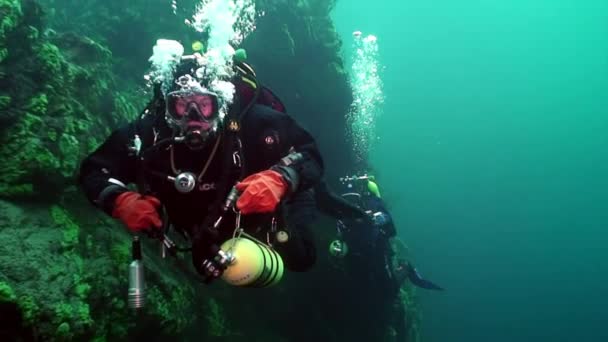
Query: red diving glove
x=261 y=192
x=137 y=212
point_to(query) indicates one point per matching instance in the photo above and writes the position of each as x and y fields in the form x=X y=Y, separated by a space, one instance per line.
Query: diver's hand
x=137 y=212
x=261 y=192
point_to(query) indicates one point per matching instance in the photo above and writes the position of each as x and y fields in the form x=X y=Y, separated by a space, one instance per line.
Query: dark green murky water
x=493 y=155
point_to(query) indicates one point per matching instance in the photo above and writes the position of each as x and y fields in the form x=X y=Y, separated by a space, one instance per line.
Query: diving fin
x=416 y=279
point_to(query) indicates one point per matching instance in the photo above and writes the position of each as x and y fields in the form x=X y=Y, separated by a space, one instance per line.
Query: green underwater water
x=493 y=155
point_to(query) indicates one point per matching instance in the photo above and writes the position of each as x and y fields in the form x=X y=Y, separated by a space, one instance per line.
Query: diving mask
x=192 y=103
x=193 y=113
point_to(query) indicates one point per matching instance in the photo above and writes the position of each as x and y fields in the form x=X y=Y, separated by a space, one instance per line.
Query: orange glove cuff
x=261 y=192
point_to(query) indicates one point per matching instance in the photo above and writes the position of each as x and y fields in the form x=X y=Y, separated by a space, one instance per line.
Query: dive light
x=137 y=285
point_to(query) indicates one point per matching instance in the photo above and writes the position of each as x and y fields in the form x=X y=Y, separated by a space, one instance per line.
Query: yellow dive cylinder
x=254 y=264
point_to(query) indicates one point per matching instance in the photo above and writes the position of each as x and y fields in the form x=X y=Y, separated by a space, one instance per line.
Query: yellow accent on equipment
x=250 y=82
x=197 y=46
x=338 y=248
x=373 y=188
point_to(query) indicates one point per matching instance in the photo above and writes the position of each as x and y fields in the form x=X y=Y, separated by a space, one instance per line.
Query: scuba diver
x=365 y=230
x=211 y=175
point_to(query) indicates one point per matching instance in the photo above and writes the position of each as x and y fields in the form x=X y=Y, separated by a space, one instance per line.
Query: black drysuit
x=266 y=136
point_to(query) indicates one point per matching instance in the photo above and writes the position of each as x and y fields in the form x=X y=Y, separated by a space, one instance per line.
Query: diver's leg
x=299 y=252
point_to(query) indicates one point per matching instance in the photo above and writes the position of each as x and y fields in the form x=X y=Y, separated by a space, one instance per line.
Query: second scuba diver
x=365 y=229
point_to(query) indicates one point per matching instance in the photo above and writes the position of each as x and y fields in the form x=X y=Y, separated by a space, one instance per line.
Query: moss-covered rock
x=5 y=102
x=59 y=87
x=51 y=60
x=25 y=154
x=29 y=309
x=165 y=305
x=6 y=292
x=50 y=277
x=10 y=15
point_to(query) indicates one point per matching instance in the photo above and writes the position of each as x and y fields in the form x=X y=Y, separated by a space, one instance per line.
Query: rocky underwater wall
x=69 y=75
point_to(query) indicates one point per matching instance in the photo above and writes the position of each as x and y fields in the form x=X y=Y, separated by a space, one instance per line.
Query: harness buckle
x=236 y=159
